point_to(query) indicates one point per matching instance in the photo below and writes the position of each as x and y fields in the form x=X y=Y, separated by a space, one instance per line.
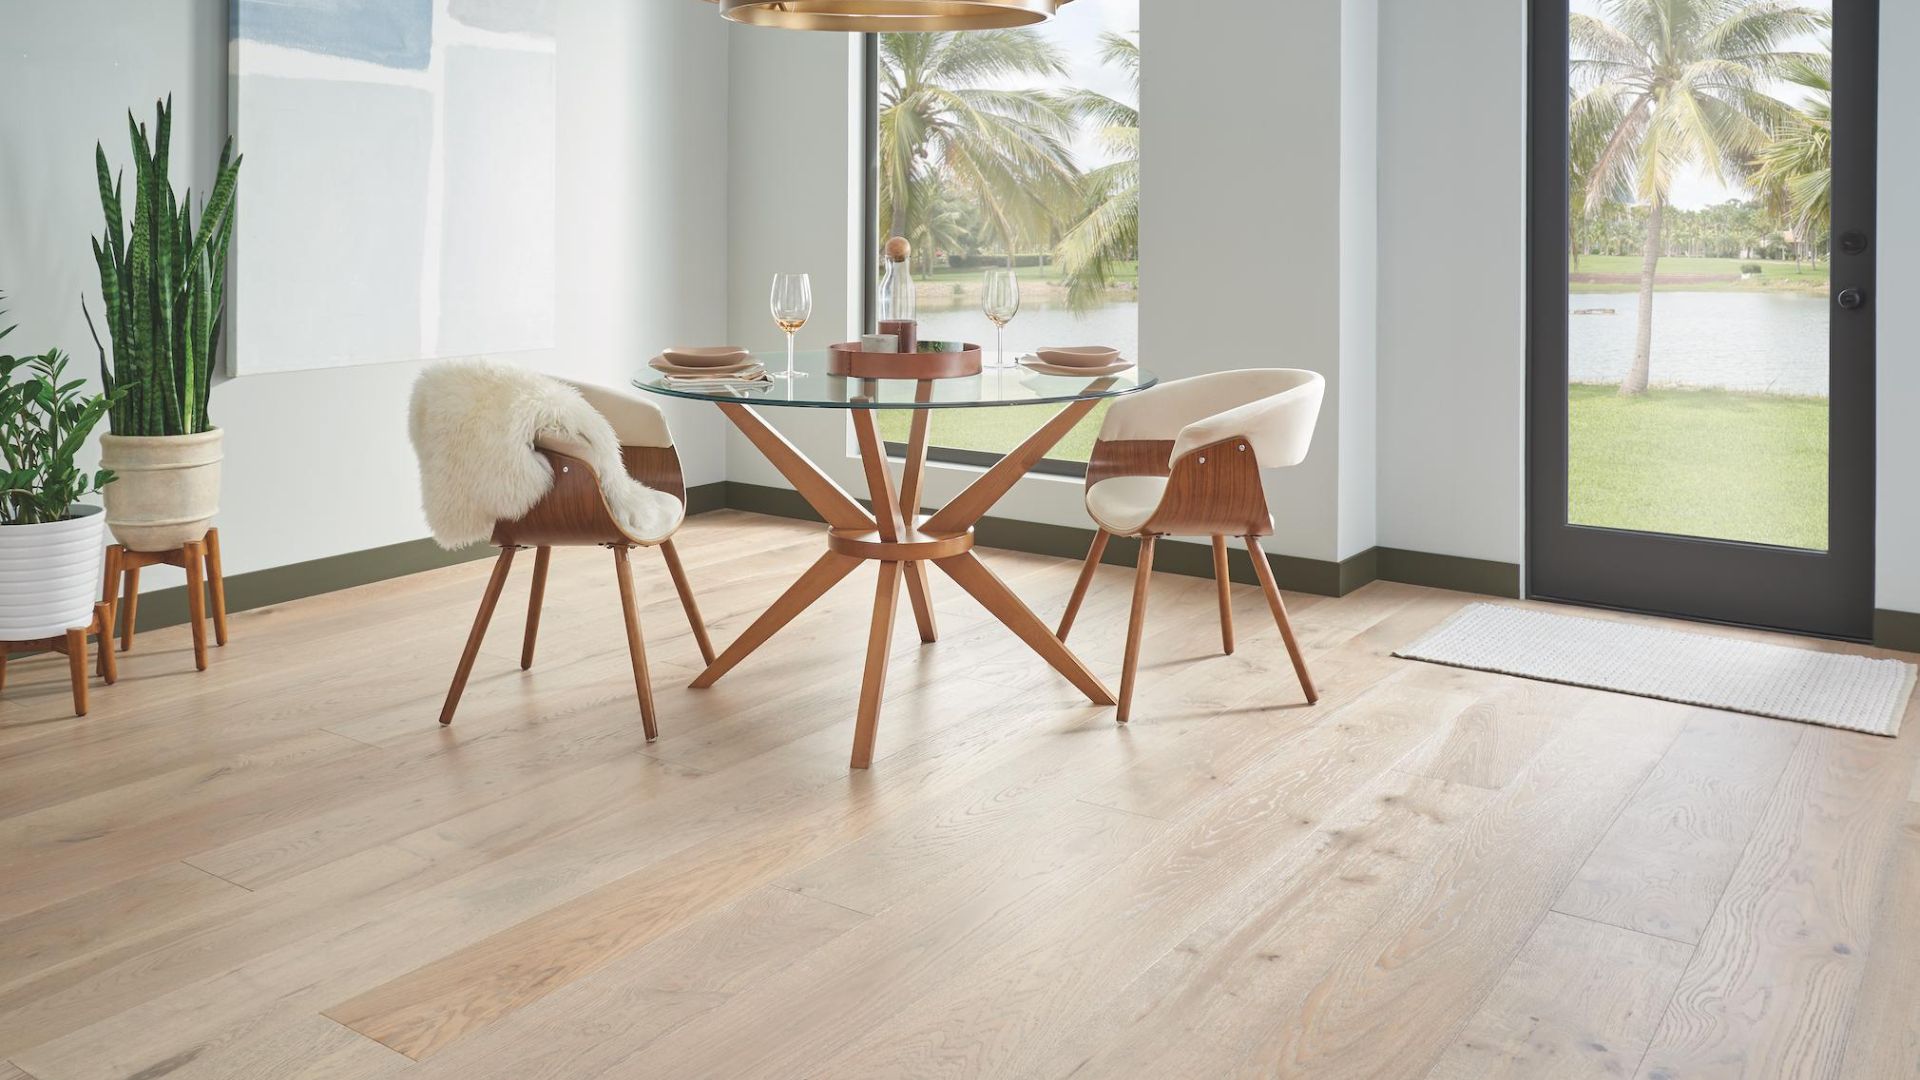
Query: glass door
x=1701 y=346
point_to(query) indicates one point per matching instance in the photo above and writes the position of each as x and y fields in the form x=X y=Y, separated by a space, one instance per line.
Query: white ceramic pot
x=166 y=488
x=50 y=575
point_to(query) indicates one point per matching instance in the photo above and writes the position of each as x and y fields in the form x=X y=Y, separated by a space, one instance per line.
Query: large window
x=1013 y=148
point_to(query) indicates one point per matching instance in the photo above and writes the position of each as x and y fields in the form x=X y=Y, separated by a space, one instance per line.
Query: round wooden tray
x=847 y=359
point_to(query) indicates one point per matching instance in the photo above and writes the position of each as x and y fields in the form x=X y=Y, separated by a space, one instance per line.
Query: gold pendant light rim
x=890 y=16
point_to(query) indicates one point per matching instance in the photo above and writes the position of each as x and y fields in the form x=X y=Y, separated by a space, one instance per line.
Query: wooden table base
x=903 y=542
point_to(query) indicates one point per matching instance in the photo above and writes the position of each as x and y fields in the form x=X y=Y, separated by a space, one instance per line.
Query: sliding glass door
x=1701 y=345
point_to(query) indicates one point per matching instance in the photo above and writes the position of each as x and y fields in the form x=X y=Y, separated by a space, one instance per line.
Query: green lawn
x=1683 y=274
x=997 y=431
x=1716 y=463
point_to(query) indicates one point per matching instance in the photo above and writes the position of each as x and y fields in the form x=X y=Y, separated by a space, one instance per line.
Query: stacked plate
x=1079 y=361
x=691 y=362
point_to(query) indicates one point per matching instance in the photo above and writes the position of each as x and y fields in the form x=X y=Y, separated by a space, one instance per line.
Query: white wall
x=1452 y=277
x=317 y=462
x=1218 y=198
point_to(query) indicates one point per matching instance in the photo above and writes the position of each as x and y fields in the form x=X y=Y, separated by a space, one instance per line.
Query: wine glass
x=1001 y=302
x=792 y=307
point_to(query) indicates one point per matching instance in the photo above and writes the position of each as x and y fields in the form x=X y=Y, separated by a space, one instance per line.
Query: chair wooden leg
x=76 y=650
x=217 y=584
x=103 y=630
x=636 y=647
x=1137 y=624
x=873 y=683
x=687 y=603
x=130 y=600
x=1279 y=607
x=1226 y=596
x=534 y=599
x=190 y=559
x=1099 y=548
x=110 y=595
x=487 y=601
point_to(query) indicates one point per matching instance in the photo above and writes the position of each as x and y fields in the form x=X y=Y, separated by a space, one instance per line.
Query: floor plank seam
x=1617 y=926
x=1123 y=810
x=188 y=861
x=363 y=1037
x=824 y=900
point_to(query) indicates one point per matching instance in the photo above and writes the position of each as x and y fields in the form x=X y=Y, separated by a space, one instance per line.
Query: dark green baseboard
x=1317 y=576
x=279 y=584
x=260 y=588
x=1897 y=630
x=1455 y=572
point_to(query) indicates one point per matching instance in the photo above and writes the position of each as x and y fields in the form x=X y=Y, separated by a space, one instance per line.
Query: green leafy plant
x=43 y=424
x=163 y=287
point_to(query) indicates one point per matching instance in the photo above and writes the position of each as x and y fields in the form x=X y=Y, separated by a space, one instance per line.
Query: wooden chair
x=575 y=513
x=1184 y=458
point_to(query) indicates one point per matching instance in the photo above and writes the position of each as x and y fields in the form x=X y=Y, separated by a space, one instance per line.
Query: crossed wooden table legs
x=903 y=542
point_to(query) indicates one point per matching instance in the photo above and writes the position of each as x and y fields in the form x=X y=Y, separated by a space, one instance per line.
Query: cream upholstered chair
x=1184 y=458
x=575 y=512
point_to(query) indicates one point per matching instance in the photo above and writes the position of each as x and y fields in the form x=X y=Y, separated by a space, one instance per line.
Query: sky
x=1695 y=188
x=1077 y=30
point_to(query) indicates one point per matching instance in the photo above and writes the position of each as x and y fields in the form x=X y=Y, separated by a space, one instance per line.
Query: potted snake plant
x=163 y=287
x=49 y=541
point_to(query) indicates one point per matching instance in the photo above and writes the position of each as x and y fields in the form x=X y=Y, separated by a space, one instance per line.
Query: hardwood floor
x=284 y=867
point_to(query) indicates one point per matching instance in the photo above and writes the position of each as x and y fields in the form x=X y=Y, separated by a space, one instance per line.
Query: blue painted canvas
x=392 y=33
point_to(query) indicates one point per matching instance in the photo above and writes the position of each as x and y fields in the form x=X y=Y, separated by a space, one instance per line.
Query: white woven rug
x=1853 y=692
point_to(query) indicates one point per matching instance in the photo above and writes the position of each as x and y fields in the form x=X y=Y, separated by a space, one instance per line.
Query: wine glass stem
x=789 y=354
x=1000 y=342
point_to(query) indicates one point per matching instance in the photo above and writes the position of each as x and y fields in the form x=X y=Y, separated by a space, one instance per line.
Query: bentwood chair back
x=1184 y=459
x=575 y=514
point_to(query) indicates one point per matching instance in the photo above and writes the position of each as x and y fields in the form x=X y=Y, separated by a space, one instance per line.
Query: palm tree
x=1661 y=85
x=1110 y=228
x=1795 y=171
x=947 y=120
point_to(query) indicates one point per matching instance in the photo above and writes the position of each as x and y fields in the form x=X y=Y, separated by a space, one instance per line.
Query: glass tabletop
x=992 y=387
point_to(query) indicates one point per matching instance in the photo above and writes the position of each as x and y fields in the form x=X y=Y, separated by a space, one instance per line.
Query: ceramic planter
x=166 y=488
x=50 y=575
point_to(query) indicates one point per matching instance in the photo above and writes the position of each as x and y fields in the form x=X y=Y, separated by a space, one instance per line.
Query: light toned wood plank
x=285 y=1044
x=1578 y=1003
x=1885 y=1036
x=1488 y=744
x=1776 y=976
x=807 y=1012
x=10 y=1071
x=1665 y=863
x=592 y=1026
x=1017 y=1004
x=57 y=934
x=1391 y=997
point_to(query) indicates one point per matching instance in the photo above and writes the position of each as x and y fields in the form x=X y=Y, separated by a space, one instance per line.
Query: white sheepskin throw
x=474 y=424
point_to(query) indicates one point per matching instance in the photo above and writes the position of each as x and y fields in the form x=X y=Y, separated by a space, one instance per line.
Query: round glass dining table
x=895 y=534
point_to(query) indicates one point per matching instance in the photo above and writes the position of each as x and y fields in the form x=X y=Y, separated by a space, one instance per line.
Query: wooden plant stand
x=74 y=644
x=201 y=560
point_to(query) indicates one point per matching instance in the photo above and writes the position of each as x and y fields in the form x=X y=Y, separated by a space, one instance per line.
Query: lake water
x=1039 y=325
x=1768 y=341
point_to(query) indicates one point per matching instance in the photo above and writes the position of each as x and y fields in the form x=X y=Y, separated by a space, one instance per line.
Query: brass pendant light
x=890 y=16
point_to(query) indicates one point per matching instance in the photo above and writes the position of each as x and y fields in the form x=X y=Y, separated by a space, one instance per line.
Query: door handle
x=1851 y=299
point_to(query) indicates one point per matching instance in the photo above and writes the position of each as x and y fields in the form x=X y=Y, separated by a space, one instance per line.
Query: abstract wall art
x=398 y=202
